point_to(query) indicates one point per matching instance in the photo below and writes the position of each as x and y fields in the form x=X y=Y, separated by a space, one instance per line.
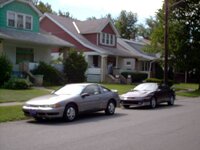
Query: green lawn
x=182 y=86
x=11 y=113
x=20 y=95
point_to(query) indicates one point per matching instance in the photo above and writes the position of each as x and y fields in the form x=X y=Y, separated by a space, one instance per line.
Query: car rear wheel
x=153 y=103
x=110 y=109
x=171 y=101
x=70 y=113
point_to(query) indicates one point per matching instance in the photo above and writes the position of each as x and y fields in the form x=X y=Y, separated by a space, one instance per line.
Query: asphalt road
x=165 y=128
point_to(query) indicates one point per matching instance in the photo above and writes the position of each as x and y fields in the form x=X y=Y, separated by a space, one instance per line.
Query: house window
x=28 y=22
x=24 y=55
x=11 y=19
x=145 y=66
x=19 y=20
x=107 y=39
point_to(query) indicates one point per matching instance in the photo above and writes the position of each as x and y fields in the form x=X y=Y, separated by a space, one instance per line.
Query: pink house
x=99 y=41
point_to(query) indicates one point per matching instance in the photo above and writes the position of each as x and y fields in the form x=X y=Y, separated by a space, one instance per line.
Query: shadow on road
x=82 y=118
x=160 y=106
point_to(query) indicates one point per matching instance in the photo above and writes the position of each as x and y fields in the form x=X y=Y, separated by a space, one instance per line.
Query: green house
x=20 y=37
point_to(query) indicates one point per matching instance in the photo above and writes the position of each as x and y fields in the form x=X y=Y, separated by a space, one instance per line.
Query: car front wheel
x=171 y=101
x=153 y=103
x=70 y=113
x=110 y=110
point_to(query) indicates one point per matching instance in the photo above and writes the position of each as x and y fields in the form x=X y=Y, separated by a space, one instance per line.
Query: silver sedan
x=72 y=99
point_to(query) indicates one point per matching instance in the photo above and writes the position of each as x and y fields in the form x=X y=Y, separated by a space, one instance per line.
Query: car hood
x=136 y=94
x=49 y=99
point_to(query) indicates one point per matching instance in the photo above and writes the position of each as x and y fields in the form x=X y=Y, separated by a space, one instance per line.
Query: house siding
x=19 y=7
x=108 y=29
x=49 y=26
x=91 y=37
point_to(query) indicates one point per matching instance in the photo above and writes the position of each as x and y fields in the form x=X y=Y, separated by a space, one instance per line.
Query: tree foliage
x=126 y=24
x=75 y=67
x=5 y=69
x=184 y=35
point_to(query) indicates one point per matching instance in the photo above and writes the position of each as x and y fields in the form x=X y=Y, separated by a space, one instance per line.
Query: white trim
x=71 y=34
x=77 y=29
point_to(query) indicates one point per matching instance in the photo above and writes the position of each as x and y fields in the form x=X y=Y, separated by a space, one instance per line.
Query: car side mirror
x=84 y=95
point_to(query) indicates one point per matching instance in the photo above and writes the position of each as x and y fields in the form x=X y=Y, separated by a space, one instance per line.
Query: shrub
x=51 y=75
x=75 y=67
x=160 y=81
x=136 y=76
x=17 y=83
x=5 y=69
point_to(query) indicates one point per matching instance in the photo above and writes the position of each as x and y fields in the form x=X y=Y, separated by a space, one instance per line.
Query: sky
x=83 y=9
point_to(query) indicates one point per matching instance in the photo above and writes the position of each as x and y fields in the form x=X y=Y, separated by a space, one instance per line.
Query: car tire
x=126 y=106
x=171 y=101
x=110 y=109
x=70 y=113
x=153 y=103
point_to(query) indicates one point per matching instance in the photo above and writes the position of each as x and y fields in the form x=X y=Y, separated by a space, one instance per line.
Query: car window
x=104 y=89
x=92 y=90
x=146 y=87
x=70 y=89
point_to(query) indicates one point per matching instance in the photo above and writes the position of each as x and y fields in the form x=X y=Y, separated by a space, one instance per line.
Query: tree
x=65 y=14
x=44 y=8
x=126 y=24
x=75 y=67
x=184 y=35
x=5 y=69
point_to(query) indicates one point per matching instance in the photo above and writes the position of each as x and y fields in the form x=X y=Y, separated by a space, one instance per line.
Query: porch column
x=103 y=67
x=117 y=62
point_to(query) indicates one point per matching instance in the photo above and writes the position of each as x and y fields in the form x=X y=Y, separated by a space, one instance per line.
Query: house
x=20 y=36
x=99 y=41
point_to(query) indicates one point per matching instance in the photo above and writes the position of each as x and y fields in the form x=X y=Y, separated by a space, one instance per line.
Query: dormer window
x=107 y=39
x=11 y=19
x=19 y=20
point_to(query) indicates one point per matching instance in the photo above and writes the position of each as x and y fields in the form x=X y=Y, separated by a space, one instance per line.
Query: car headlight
x=55 y=105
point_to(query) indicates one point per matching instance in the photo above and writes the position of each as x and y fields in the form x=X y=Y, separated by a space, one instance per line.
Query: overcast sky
x=82 y=9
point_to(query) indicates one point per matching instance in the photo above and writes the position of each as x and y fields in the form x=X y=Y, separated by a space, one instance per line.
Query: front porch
x=98 y=68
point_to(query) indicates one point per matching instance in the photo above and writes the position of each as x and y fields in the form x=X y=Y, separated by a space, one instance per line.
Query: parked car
x=150 y=94
x=72 y=99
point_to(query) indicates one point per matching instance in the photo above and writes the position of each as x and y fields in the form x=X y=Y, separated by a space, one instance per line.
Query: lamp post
x=166 y=43
x=166 y=4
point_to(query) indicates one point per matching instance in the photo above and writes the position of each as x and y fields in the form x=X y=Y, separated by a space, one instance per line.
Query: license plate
x=32 y=112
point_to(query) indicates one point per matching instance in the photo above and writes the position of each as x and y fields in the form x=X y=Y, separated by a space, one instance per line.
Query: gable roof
x=95 y=26
x=70 y=26
x=5 y=2
x=32 y=37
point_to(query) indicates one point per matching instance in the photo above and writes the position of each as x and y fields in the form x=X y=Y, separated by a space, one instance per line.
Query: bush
x=75 y=67
x=51 y=75
x=17 y=83
x=5 y=69
x=135 y=76
x=160 y=81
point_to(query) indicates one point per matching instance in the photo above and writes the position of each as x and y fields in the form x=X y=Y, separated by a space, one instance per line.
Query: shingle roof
x=91 y=26
x=32 y=37
x=136 y=48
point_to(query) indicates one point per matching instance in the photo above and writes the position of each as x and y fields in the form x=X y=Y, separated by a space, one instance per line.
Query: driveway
x=165 y=128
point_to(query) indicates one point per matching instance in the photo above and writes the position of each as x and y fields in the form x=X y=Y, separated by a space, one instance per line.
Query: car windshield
x=70 y=89
x=146 y=87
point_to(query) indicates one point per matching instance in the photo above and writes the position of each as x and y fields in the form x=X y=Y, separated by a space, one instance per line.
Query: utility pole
x=166 y=43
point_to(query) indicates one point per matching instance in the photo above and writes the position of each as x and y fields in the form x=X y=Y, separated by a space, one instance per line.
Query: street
x=165 y=128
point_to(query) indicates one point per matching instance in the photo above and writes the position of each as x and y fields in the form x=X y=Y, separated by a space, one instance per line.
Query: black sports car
x=150 y=94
